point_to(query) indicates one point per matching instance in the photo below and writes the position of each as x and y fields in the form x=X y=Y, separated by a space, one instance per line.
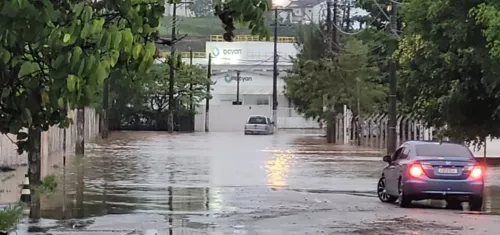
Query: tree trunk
x=331 y=128
x=35 y=207
x=34 y=157
x=104 y=124
x=80 y=132
x=105 y=108
x=80 y=187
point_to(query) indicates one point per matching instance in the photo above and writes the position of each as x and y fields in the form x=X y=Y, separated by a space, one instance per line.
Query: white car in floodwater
x=259 y=124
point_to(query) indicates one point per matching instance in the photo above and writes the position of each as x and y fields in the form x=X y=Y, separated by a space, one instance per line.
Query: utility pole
x=330 y=119
x=238 y=88
x=172 y=75
x=275 y=68
x=391 y=144
x=191 y=104
x=207 y=102
x=237 y=102
x=335 y=22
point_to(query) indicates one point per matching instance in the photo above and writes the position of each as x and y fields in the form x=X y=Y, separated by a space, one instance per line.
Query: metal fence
x=372 y=130
x=252 y=38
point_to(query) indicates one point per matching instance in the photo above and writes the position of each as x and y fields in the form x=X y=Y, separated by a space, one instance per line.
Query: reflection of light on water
x=216 y=201
x=277 y=168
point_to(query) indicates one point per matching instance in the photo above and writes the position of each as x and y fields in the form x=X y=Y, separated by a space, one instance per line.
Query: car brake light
x=416 y=170
x=477 y=172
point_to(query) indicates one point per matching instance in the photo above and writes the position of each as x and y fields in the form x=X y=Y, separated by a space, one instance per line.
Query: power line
x=393 y=30
x=336 y=44
x=357 y=32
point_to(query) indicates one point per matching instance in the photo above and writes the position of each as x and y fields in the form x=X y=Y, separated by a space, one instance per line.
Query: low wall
x=51 y=154
x=51 y=142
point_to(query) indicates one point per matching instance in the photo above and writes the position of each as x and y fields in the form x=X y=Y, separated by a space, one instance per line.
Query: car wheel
x=453 y=204
x=404 y=200
x=476 y=204
x=382 y=192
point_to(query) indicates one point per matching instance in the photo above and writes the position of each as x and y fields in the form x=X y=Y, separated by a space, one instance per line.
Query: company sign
x=228 y=78
x=226 y=52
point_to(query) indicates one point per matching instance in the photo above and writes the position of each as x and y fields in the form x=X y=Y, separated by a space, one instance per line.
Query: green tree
x=247 y=12
x=201 y=8
x=146 y=95
x=450 y=67
x=55 y=55
x=189 y=87
x=315 y=84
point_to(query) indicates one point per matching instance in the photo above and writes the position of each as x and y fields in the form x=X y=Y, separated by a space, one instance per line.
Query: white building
x=182 y=10
x=254 y=61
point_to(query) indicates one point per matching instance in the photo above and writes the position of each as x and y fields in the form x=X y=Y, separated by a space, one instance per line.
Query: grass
x=48 y=185
x=9 y=217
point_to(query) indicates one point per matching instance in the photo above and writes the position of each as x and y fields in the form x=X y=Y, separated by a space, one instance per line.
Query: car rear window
x=257 y=120
x=442 y=150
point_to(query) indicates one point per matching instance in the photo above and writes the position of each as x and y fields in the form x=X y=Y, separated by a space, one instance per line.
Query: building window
x=262 y=101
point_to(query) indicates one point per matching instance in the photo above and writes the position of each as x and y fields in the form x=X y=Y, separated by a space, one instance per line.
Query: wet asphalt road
x=228 y=183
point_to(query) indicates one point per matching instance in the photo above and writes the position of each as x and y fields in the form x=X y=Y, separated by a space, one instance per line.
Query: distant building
x=182 y=10
x=302 y=11
x=310 y=11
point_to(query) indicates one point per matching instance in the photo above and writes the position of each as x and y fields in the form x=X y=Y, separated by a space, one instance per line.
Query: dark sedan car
x=421 y=170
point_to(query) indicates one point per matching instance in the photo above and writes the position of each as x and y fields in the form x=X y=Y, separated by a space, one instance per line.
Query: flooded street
x=229 y=183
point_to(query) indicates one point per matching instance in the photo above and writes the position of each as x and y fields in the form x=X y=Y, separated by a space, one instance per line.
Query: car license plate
x=448 y=170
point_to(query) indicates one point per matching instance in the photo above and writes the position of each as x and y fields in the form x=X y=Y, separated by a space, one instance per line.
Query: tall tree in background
x=315 y=82
x=201 y=8
x=450 y=64
x=55 y=54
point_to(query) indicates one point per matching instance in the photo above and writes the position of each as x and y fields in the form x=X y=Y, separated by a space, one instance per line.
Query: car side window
x=268 y=121
x=404 y=154
x=396 y=154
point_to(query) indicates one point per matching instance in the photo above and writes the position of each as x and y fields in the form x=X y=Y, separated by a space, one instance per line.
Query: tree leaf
x=60 y=102
x=67 y=38
x=101 y=73
x=45 y=97
x=27 y=116
x=137 y=51
x=22 y=135
x=78 y=8
x=71 y=82
x=27 y=68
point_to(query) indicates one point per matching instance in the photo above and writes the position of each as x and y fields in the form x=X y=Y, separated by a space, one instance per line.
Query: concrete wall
x=242 y=52
x=52 y=142
x=229 y=118
x=52 y=157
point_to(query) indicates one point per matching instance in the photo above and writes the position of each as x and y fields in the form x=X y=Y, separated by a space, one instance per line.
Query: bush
x=9 y=217
x=48 y=185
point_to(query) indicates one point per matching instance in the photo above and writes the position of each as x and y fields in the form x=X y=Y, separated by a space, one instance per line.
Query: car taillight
x=476 y=172
x=416 y=170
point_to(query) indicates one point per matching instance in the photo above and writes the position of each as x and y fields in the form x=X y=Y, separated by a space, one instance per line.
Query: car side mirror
x=387 y=158
x=272 y=123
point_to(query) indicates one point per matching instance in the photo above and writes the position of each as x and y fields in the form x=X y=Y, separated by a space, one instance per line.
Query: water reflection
x=129 y=178
x=277 y=168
